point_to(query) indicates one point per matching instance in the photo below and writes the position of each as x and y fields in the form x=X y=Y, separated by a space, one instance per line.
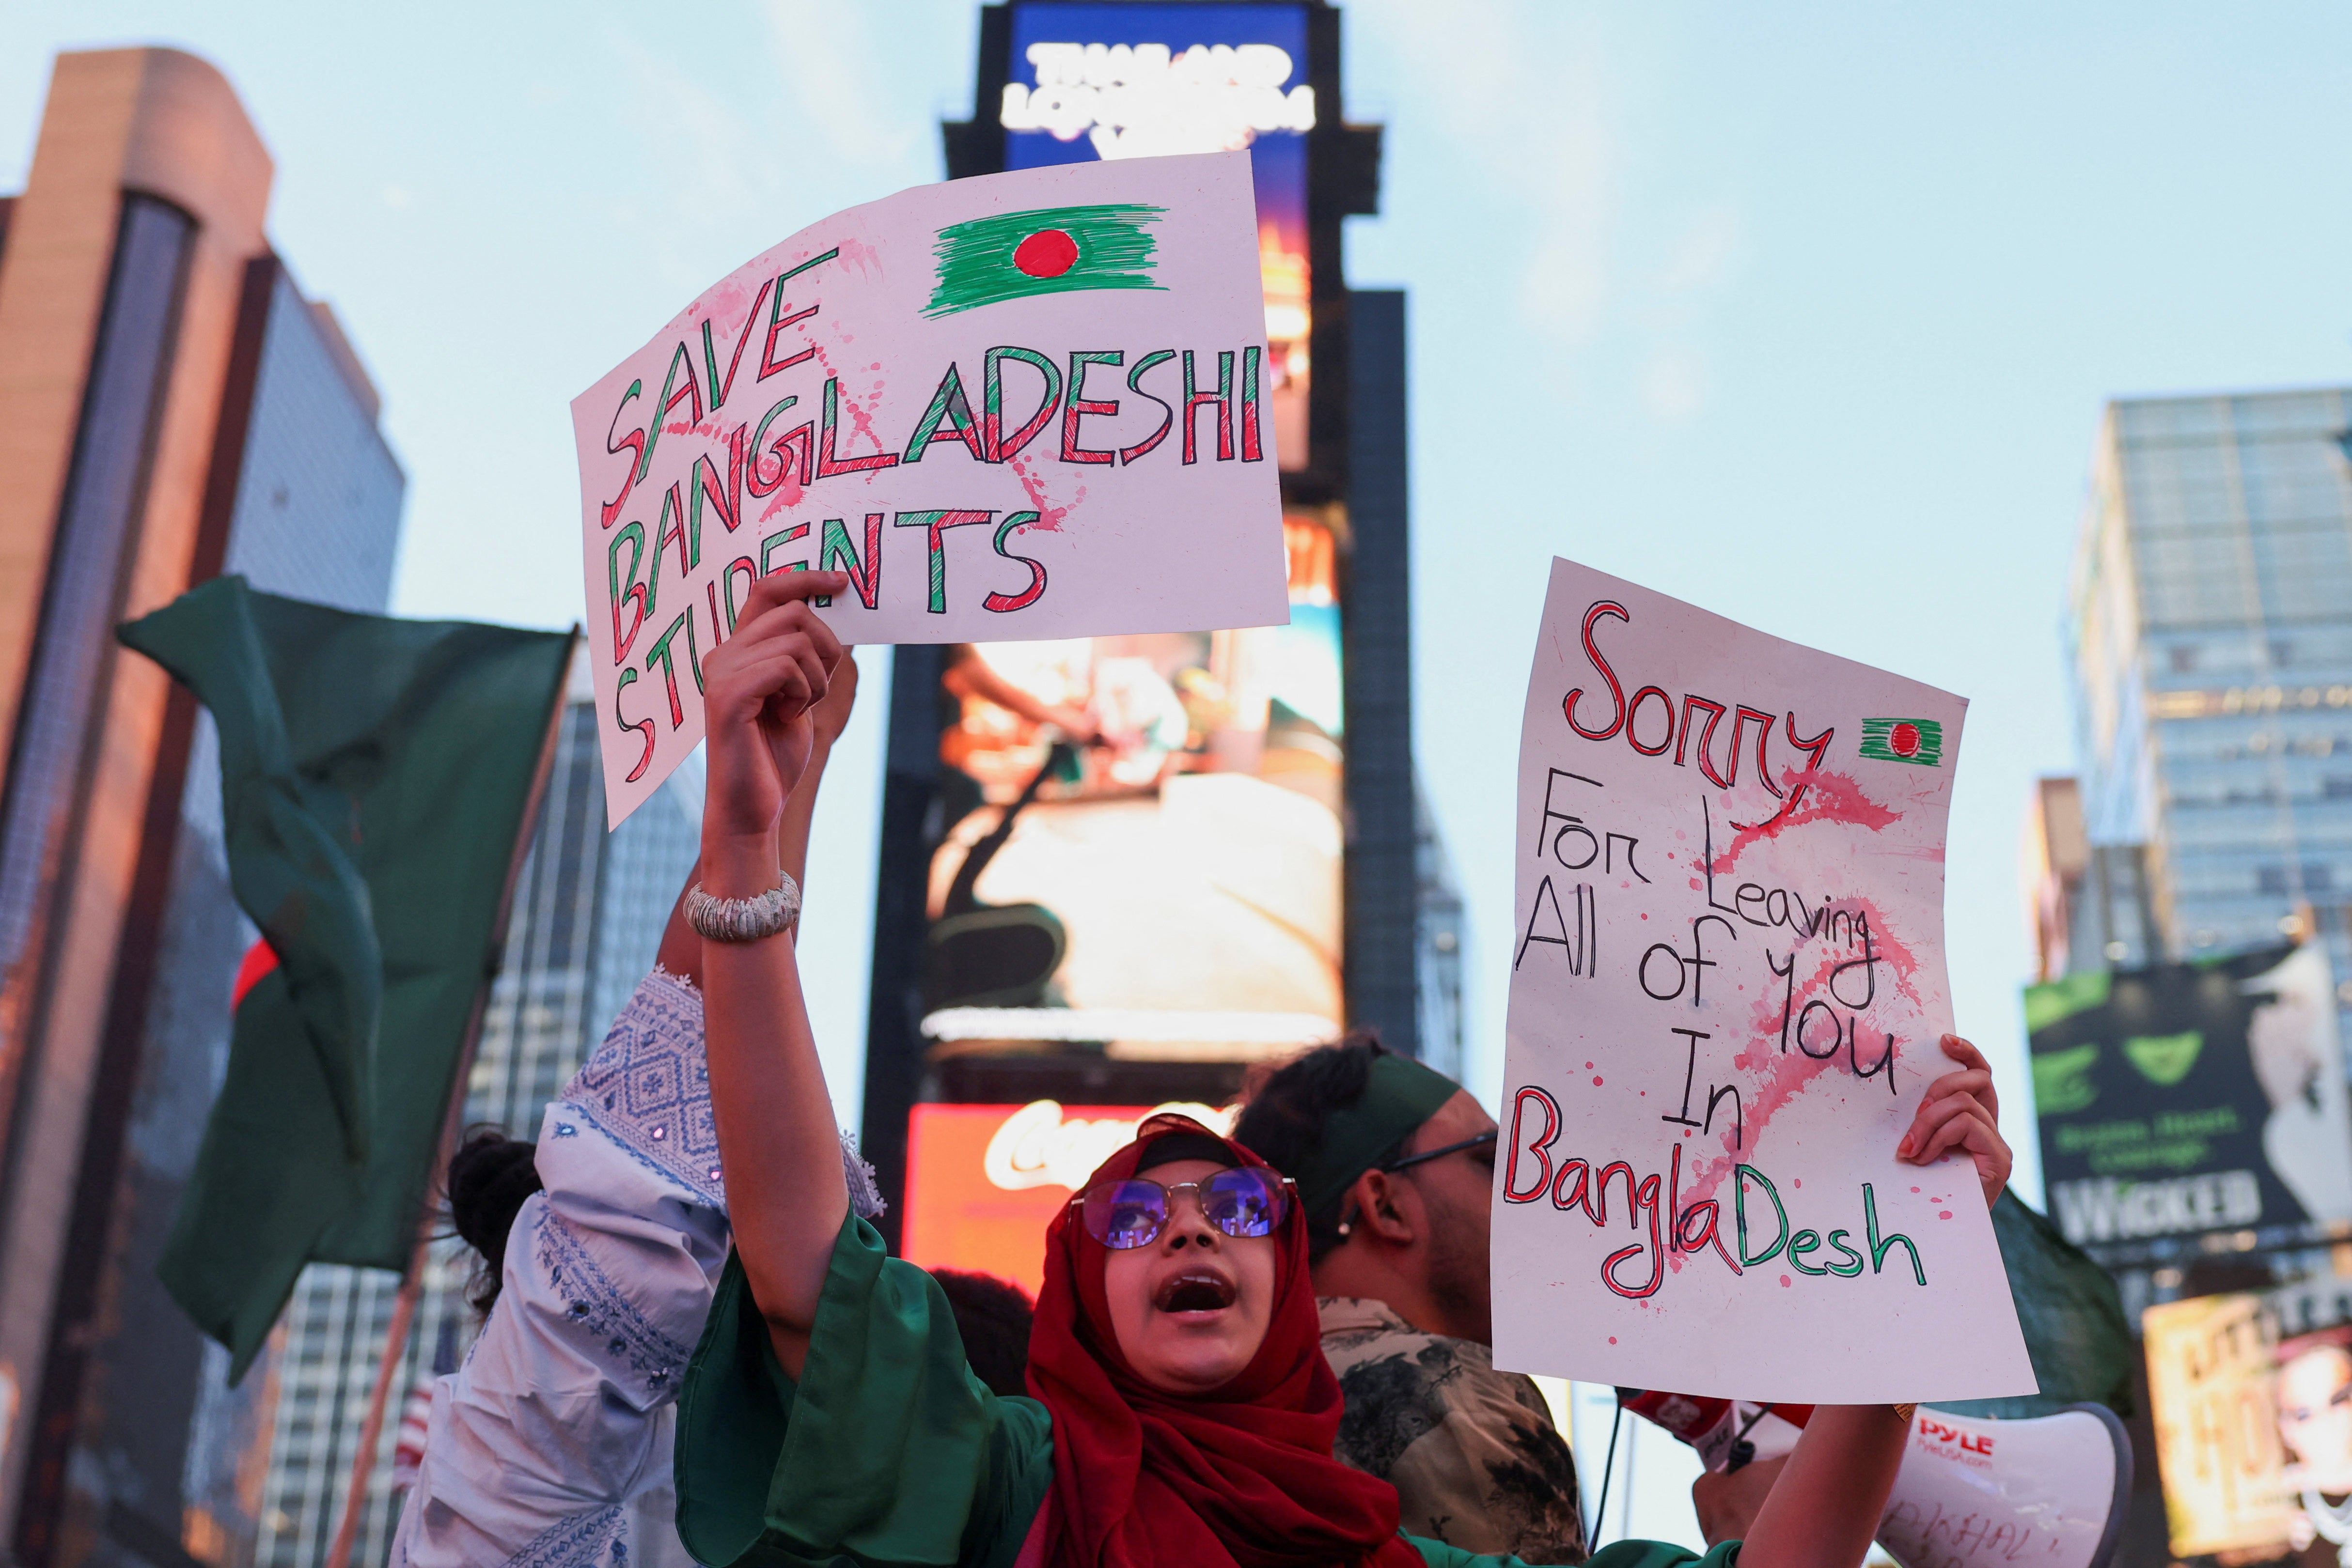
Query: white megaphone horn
x=2049 y=1489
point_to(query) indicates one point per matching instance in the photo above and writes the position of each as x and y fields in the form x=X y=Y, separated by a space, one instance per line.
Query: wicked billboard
x=2192 y=1098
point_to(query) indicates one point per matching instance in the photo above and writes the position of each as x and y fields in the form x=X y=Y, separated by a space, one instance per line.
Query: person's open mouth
x=1195 y=1291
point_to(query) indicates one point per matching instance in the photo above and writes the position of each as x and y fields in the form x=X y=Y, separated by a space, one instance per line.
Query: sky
x=1804 y=313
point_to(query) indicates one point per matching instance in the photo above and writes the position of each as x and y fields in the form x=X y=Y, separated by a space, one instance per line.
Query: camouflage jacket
x=1472 y=1451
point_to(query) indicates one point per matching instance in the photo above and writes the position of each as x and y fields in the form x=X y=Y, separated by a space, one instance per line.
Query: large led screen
x=984 y=1181
x=1091 y=80
x=2187 y=1098
x=1140 y=838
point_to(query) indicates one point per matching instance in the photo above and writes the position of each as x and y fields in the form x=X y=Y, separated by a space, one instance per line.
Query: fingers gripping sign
x=1961 y=1113
x=760 y=687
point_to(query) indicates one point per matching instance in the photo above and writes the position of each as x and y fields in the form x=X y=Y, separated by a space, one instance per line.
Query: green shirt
x=888 y=1453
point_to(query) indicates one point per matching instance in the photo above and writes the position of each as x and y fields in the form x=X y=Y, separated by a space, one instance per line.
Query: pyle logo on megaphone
x=2055 y=1497
x=1932 y=1431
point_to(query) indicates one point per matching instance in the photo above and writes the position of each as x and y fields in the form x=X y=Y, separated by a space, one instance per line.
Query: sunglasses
x=1244 y=1201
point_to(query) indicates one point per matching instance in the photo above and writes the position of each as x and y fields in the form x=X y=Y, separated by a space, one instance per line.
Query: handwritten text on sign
x=1726 y=989
x=1028 y=405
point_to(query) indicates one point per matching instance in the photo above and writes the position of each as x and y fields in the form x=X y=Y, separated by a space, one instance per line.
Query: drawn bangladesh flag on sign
x=1053 y=250
x=1919 y=740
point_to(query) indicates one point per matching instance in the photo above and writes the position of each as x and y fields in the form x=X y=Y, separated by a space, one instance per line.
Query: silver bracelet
x=744 y=919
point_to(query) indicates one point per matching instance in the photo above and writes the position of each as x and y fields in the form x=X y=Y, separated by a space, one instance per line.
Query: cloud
x=1674 y=383
x=1517 y=89
x=1706 y=254
x=840 y=80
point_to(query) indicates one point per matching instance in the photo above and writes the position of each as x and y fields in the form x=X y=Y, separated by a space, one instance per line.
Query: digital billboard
x=2212 y=1362
x=1139 y=842
x=1141 y=81
x=984 y=1181
x=1118 y=871
x=2191 y=1098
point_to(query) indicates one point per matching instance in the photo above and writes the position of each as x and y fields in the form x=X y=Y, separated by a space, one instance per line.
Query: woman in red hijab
x=1182 y=1412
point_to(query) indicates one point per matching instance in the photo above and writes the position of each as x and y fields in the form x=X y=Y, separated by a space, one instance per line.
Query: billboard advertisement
x=2254 y=1431
x=1141 y=81
x=2191 y=1098
x=1140 y=838
x=983 y=1181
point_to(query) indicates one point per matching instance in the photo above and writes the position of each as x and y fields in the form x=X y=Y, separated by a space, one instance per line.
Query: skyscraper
x=171 y=406
x=2210 y=628
x=588 y=915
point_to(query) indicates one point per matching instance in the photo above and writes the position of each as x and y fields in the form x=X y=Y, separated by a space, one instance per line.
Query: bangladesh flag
x=1053 y=250
x=377 y=775
x=1919 y=740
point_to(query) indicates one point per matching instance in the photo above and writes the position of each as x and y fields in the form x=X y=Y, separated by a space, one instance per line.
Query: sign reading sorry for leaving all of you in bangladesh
x=1027 y=405
x=1727 y=988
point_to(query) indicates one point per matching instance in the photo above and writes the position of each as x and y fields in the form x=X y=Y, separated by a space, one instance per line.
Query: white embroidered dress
x=550 y=1448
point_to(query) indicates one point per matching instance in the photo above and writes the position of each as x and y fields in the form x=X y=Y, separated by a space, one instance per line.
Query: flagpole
x=412 y=1285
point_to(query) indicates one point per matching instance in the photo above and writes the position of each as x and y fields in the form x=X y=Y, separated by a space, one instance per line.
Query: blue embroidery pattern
x=579 y=1542
x=610 y=1322
x=648 y=1089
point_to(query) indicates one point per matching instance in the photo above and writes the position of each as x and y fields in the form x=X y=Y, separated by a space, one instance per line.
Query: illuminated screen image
x=984 y=1181
x=1140 y=838
x=1138 y=81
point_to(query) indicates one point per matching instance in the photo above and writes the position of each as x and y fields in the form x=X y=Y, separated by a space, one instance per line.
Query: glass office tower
x=2210 y=628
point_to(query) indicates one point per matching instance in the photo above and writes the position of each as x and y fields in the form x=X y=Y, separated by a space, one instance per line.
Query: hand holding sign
x=763 y=685
x=1960 y=1114
x=1727 y=1122
x=1025 y=406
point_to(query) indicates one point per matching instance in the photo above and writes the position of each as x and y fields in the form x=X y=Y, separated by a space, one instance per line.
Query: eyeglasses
x=1244 y=1201
x=1397 y=1165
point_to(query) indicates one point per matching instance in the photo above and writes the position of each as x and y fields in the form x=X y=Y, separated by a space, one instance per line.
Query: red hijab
x=1242 y=1476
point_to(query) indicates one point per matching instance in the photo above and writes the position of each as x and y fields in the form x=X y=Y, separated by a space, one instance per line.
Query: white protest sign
x=1726 y=993
x=1023 y=406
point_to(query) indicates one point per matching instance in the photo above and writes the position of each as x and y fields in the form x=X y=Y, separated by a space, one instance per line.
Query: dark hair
x=993 y=1316
x=489 y=1176
x=1284 y=1108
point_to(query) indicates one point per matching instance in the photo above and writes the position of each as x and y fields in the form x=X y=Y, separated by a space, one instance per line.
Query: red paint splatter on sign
x=1820 y=796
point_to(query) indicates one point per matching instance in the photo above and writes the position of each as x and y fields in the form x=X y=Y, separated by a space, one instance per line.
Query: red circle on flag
x=1902 y=739
x=1048 y=253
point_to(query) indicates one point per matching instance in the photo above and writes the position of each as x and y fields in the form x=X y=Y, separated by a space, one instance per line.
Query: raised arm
x=1825 y=1505
x=681 y=949
x=785 y=1192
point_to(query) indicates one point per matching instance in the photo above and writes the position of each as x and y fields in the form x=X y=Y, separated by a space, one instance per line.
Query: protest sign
x=1727 y=985
x=1023 y=406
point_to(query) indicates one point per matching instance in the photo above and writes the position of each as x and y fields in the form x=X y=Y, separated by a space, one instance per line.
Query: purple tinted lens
x=1245 y=1202
x=1126 y=1214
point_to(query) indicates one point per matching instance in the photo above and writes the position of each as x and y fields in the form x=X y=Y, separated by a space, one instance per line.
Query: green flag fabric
x=375 y=775
x=2073 y=1318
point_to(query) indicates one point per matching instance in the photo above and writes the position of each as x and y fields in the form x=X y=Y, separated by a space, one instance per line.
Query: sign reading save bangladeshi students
x=1028 y=405
x=1728 y=991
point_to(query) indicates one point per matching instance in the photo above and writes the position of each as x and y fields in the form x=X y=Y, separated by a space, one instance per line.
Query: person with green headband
x=1395 y=1170
x=1395 y=1167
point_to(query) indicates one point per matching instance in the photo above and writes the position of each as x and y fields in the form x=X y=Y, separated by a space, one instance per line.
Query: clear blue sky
x=1804 y=313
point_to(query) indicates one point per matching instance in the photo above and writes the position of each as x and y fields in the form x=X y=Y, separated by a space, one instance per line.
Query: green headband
x=1399 y=1096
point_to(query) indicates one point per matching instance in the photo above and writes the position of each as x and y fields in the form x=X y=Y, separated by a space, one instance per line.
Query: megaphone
x=2051 y=1489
